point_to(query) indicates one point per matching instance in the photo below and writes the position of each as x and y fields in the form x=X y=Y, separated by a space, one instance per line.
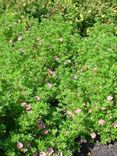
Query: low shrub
x=55 y=86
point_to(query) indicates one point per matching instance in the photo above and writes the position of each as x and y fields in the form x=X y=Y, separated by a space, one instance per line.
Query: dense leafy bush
x=56 y=86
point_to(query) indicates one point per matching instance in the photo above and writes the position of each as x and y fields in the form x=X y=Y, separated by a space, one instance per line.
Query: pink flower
x=78 y=110
x=101 y=122
x=115 y=125
x=50 y=151
x=20 y=38
x=42 y=154
x=37 y=98
x=45 y=132
x=109 y=98
x=60 y=39
x=23 y=104
x=56 y=58
x=19 y=145
x=28 y=107
x=51 y=72
x=49 y=85
x=93 y=135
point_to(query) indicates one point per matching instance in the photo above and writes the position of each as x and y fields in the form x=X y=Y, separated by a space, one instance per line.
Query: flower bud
x=109 y=98
x=19 y=145
x=50 y=151
x=101 y=122
x=37 y=98
x=93 y=135
x=78 y=110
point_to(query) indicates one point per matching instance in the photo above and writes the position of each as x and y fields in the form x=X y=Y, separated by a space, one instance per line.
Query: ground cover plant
x=58 y=76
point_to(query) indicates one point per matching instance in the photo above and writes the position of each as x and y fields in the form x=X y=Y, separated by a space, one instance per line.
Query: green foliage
x=58 y=77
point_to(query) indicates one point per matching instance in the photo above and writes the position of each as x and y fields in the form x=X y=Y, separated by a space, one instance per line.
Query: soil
x=98 y=150
x=105 y=150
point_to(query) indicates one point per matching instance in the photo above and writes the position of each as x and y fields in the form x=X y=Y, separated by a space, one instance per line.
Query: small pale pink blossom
x=50 y=151
x=101 y=122
x=42 y=154
x=45 y=132
x=19 y=145
x=37 y=98
x=50 y=72
x=23 y=104
x=56 y=58
x=49 y=85
x=93 y=135
x=28 y=107
x=78 y=110
x=20 y=38
x=115 y=125
x=60 y=39
x=109 y=98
